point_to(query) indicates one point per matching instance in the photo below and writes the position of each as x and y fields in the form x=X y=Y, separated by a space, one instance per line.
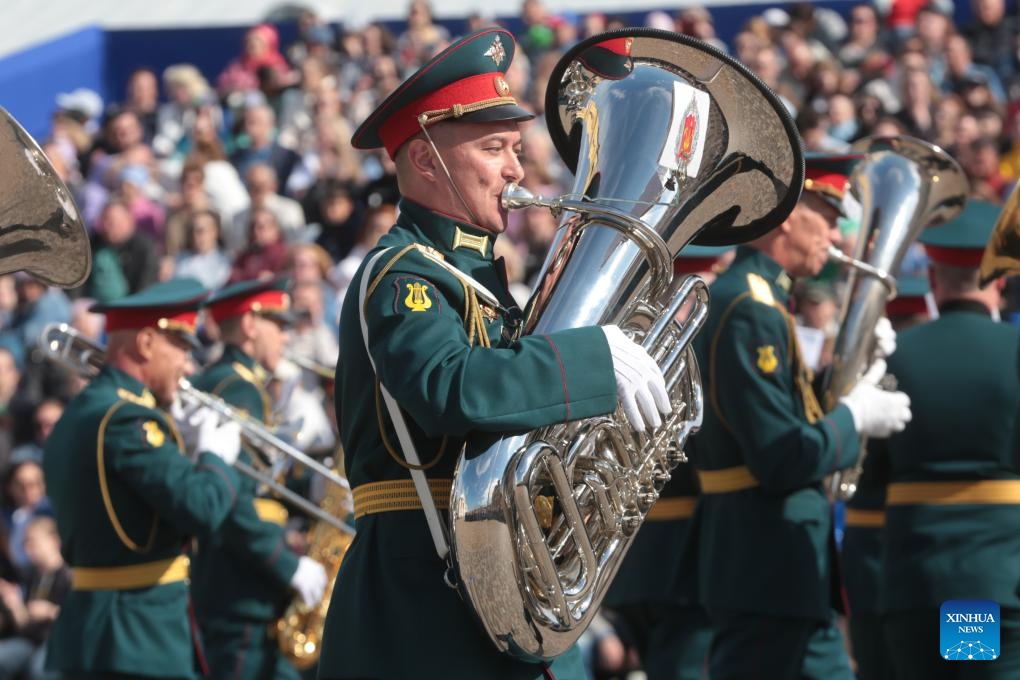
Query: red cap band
x=693 y=265
x=134 y=319
x=956 y=257
x=403 y=123
x=263 y=301
x=826 y=182
x=906 y=306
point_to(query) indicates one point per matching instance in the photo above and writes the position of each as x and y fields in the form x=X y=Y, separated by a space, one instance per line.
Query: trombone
x=65 y=346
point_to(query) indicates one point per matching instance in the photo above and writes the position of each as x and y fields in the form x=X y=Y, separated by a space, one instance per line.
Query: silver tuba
x=670 y=141
x=41 y=230
x=904 y=185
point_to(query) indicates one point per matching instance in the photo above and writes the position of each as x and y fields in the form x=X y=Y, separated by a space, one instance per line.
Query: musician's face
x=269 y=342
x=482 y=159
x=812 y=229
x=169 y=360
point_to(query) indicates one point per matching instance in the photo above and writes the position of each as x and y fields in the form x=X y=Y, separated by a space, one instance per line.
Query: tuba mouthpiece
x=516 y=197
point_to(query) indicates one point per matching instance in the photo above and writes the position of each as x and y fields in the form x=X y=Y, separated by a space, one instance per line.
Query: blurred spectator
x=261 y=49
x=992 y=35
x=123 y=261
x=24 y=498
x=982 y=168
x=918 y=113
x=121 y=143
x=332 y=204
x=962 y=72
x=377 y=221
x=44 y=418
x=29 y=612
x=697 y=23
x=864 y=36
x=266 y=253
x=143 y=99
x=538 y=35
x=256 y=144
x=149 y=216
x=311 y=264
x=191 y=199
x=203 y=257
x=262 y=192
x=188 y=93
x=15 y=406
x=423 y=37
x=948 y=110
x=37 y=306
x=311 y=338
x=222 y=184
x=1009 y=165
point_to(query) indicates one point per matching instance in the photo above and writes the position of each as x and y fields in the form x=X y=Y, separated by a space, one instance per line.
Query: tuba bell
x=41 y=230
x=670 y=142
x=905 y=185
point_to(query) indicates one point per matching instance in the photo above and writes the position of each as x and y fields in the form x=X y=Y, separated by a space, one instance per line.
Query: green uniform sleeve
x=258 y=543
x=141 y=450
x=448 y=386
x=753 y=392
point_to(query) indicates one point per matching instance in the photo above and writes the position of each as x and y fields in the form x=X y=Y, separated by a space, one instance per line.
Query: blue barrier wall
x=31 y=79
x=102 y=60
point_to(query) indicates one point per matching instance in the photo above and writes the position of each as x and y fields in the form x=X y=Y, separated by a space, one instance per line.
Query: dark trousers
x=243 y=650
x=914 y=644
x=671 y=640
x=874 y=662
x=753 y=647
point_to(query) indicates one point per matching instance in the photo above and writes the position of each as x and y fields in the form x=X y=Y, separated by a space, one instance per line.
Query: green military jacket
x=391 y=615
x=755 y=422
x=863 y=533
x=242 y=571
x=962 y=374
x=661 y=566
x=127 y=496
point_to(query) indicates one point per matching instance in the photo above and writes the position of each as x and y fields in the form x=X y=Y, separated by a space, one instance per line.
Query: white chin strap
x=446 y=171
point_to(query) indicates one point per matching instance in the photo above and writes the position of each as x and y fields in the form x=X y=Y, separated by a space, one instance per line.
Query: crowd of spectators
x=250 y=173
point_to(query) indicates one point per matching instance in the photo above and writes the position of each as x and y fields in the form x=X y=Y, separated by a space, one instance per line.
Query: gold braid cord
x=802 y=374
x=474 y=326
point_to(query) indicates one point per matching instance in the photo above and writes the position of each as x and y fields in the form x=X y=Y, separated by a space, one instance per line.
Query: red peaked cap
x=464 y=82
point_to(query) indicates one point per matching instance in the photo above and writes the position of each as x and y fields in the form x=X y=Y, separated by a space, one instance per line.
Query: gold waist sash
x=865 y=519
x=984 y=492
x=730 y=479
x=676 y=507
x=131 y=576
x=398 y=494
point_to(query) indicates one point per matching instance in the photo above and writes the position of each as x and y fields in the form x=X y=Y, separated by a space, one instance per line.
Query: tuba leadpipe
x=65 y=346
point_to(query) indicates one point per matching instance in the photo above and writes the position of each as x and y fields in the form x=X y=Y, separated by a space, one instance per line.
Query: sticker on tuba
x=688 y=125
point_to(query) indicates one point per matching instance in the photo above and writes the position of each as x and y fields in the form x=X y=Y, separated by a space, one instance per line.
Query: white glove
x=877 y=413
x=182 y=413
x=640 y=386
x=885 y=338
x=309 y=580
x=220 y=439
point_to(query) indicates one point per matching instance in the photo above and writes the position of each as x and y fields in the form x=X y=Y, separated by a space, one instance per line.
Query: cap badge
x=502 y=88
x=496 y=51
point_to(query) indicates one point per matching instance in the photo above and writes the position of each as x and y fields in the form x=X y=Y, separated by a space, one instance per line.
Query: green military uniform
x=762 y=453
x=655 y=591
x=241 y=576
x=241 y=573
x=408 y=622
x=126 y=499
x=953 y=499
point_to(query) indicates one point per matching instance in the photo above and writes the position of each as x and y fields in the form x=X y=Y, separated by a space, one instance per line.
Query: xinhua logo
x=969 y=630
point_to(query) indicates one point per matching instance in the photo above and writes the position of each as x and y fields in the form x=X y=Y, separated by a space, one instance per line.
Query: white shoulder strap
x=421 y=484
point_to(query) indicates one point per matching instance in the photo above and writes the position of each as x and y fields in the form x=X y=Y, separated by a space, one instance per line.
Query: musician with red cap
x=951 y=536
x=245 y=574
x=433 y=362
x=763 y=519
x=127 y=496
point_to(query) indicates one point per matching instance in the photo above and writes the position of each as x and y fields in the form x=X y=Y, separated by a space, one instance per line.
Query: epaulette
x=145 y=399
x=760 y=289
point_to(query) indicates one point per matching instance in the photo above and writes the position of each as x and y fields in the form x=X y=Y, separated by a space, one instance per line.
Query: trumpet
x=65 y=346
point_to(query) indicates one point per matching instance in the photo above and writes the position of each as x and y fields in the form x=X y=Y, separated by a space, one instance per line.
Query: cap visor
x=496 y=114
x=287 y=319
